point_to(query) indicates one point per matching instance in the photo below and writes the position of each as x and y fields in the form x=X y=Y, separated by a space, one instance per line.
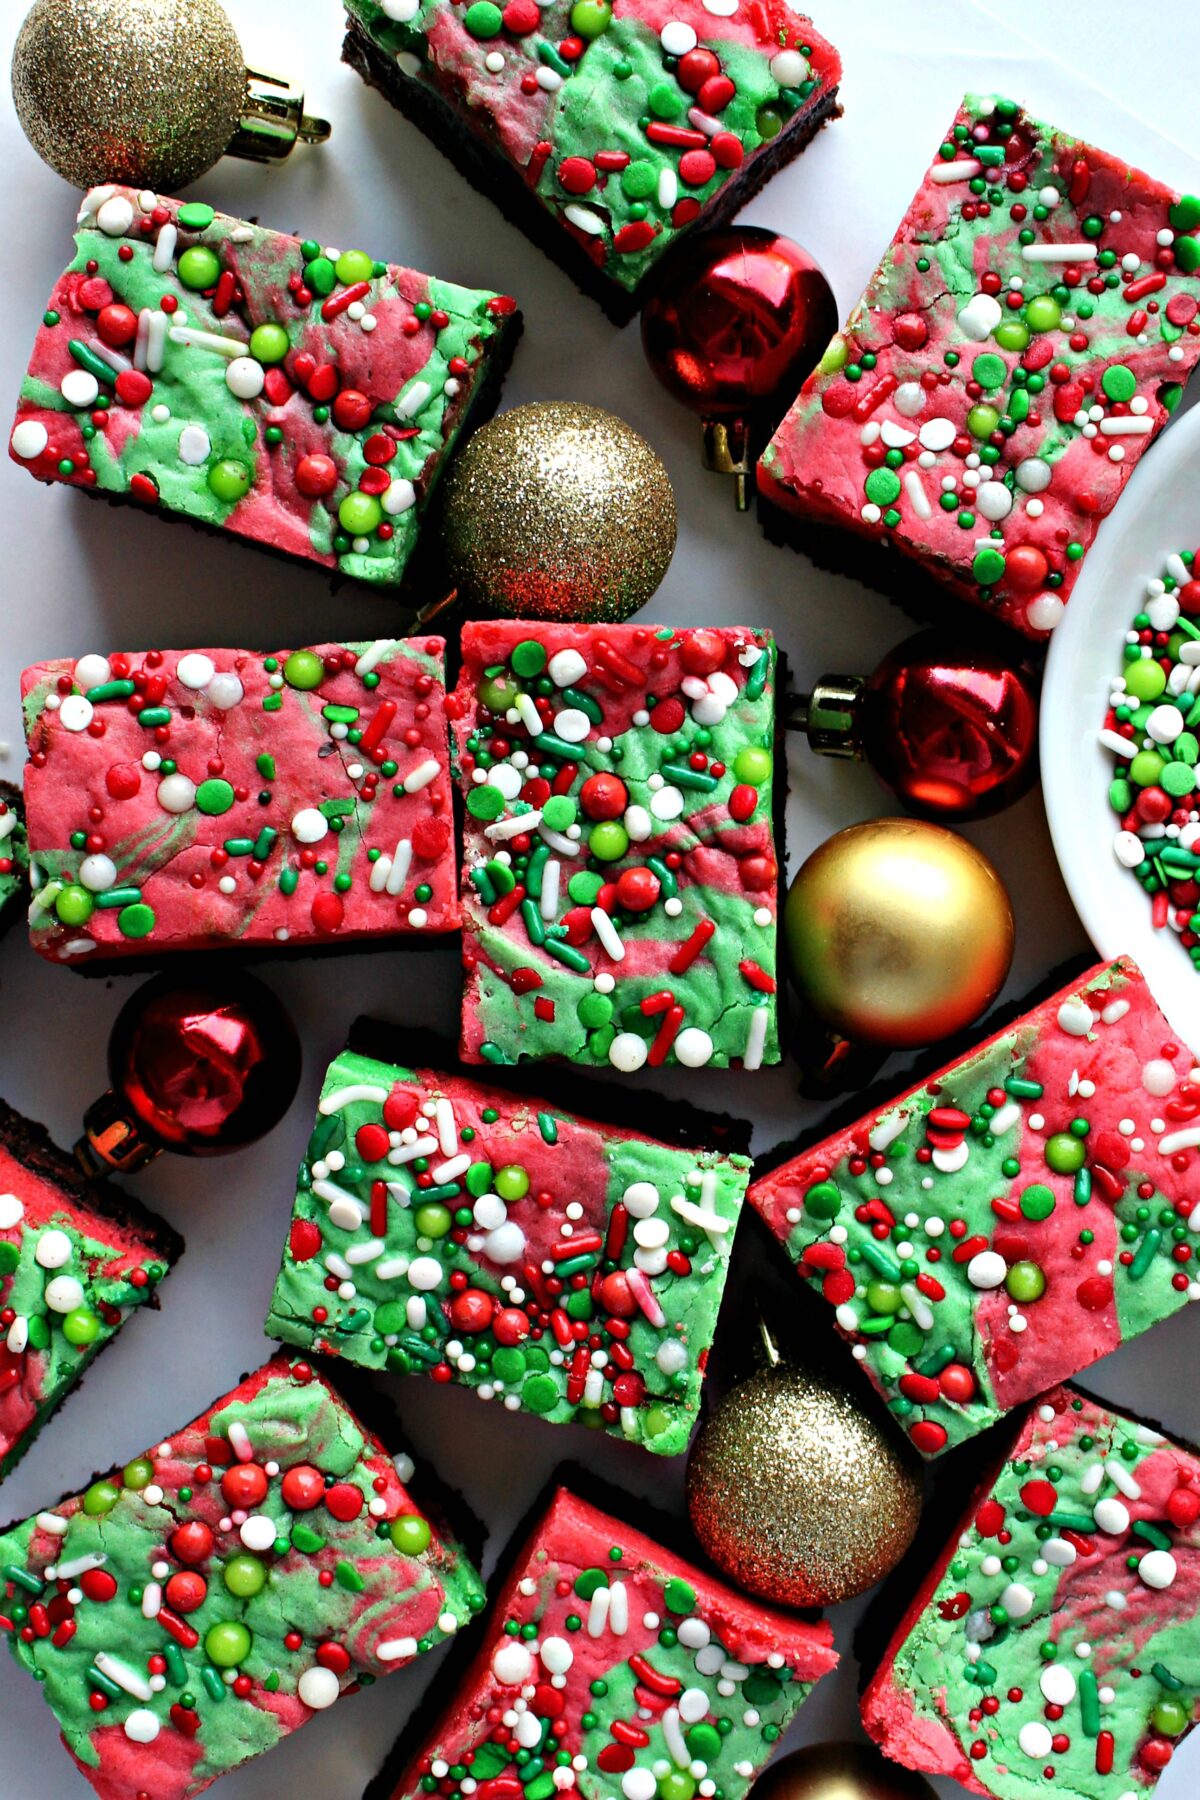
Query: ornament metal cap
x=830 y=716
x=728 y=451
x=274 y=120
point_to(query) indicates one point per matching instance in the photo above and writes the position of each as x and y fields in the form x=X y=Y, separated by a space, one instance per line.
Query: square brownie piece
x=195 y=799
x=14 y=854
x=604 y=131
x=186 y=1613
x=76 y=1258
x=639 y=1662
x=1026 y=335
x=1024 y=1211
x=1057 y=1640
x=621 y=857
x=561 y=1267
x=245 y=380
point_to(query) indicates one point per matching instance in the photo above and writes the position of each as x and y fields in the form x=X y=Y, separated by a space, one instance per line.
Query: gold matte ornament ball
x=848 y=1771
x=557 y=511
x=145 y=92
x=898 y=933
x=797 y=1495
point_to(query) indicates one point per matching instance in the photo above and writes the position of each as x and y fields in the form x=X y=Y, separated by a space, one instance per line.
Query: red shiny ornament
x=199 y=1066
x=739 y=317
x=950 y=728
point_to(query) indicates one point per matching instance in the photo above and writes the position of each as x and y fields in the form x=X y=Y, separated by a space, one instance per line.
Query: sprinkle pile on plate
x=1152 y=728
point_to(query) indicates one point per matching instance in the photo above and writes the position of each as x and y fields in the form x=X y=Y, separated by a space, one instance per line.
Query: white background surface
x=81 y=577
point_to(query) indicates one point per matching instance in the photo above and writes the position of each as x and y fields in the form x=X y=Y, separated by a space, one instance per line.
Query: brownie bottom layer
x=503 y=184
x=900 y=578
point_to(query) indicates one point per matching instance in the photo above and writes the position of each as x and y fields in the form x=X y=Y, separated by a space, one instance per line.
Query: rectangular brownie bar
x=76 y=1258
x=1025 y=336
x=14 y=854
x=645 y=1663
x=1024 y=1211
x=242 y=379
x=189 y=1611
x=1055 y=1646
x=605 y=131
x=562 y=1267
x=188 y=800
x=621 y=861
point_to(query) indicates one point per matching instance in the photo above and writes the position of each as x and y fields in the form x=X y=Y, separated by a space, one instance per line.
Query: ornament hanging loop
x=830 y=717
x=111 y=1143
x=728 y=451
x=274 y=119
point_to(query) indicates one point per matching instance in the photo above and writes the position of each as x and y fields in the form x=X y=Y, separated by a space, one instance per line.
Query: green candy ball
x=433 y=1220
x=353 y=266
x=823 y=1201
x=1025 y=1282
x=512 y=1183
x=608 y=841
x=752 y=765
x=410 y=1534
x=199 y=268
x=1065 y=1153
x=244 y=1576
x=81 y=1327
x=1043 y=313
x=304 y=669
x=229 y=480
x=138 y=1474
x=1171 y=1716
x=590 y=18
x=360 y=514
x=1145 y=679
x=100 y=1498
x=269 y=343
x=74 y=905
x=227 y=1644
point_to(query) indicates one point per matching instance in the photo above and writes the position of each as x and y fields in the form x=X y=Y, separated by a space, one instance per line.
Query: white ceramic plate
x=1158 y=513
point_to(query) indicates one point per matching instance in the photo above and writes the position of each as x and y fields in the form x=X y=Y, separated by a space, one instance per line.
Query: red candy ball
x=117 y=325
x=316 y=476
x=638 y=889
x=344 y=1501
x=957 y=1383
x=702 y=652
x=1025 y=568
x=616 y=1297
x=521 y=17
x=695 y=68
x=245 y=1485
x=186 y=1591
x=472 y=1310
x=192 y=1542
x=303 y=1488
x=372 y=1143
x=510 y=1327
x=400 y=1109
x=577 y=174
x=1188 y=596
x=604 y=796
x=351 y=410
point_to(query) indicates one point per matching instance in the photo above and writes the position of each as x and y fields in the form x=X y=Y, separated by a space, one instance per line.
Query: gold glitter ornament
x=898 y=932
x=557 y=511
x=147 y=92
x=848 y=1771
x=798 y=1495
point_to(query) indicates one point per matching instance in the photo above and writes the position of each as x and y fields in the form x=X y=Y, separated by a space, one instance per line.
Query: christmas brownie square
x=248 y=381
x=1026 y=335
x=1058 y=1638
x=187 y=800
x=75 y=1260
x=604 y=130
x=563 y=1267
x=617 y=1668
x=189 y=1611
x=621 y=860
x=1024 y=1211
x=14 y=854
